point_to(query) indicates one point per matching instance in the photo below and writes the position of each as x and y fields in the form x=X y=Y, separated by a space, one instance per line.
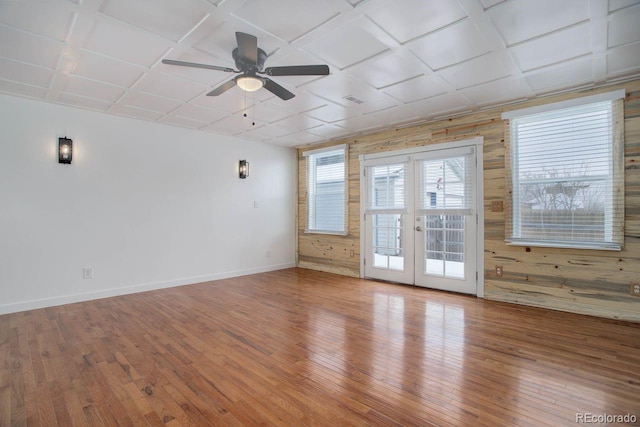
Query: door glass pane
x=388 y=248
x=444 y=245
x=386 y=187
x=445 y=184
x=386 y=204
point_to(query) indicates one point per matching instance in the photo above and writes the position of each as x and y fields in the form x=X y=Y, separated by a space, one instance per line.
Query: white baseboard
x=68 y=299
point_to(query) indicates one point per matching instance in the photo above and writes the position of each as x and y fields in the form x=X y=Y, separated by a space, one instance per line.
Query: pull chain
x=245 y=103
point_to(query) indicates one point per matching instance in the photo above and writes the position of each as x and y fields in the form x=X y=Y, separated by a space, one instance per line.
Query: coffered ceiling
x=392 y=62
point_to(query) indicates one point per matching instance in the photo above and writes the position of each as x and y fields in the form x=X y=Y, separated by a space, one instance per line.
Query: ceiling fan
x=249 y=59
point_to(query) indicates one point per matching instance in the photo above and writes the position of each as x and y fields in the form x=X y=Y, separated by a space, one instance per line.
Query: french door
x=420 y=219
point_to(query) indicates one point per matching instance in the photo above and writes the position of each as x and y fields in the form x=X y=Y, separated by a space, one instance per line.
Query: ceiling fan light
x=250 y=83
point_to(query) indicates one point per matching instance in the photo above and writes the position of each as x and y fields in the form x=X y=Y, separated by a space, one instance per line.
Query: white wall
x=144 y=205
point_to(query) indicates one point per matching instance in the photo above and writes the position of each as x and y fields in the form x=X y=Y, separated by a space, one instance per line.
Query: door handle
x=418 y=228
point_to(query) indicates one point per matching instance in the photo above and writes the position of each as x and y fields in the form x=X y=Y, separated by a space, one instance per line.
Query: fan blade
x=277 y=90
x=222 y=88
x=247 y=47
x=298 y=70
x=195 y=65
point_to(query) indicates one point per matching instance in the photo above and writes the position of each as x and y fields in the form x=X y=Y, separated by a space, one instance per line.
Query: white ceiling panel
x=571 y=74
x=20 y=89
x=624 y=26
x=268 y=112
x=301 y=138
x=332 y=113
x=267 y=132
x=27 y=47
x=415 y=89
x=229 y=102
x=486 y=4
x=289 y=19
x=126 y=44
x=138 y=113
x=520 y=20
x=25 y=73
x=299 y=122
x=328 y=131
x=47 y=18
x=556 y=47
x=215 y=2
x=351 y=92
x=240 y=123
x=182 y=122
x=391 y=62
x=252 y=136
x=408 y=19
x=82 y=102
x=393 y=116
x=378 y=120
x=476 y=71
x=93 y=89
x=151 y=102
x=619 y=4
x=364 y=122
x=624 y=59
x=440 y=105
x=171 y=87
x=386 y=70
x=201 y=114
x=456 y=43
x=108 y=70
x=167 y=18
x=303 y=102
x=220 y=129
x=350 y=44
x=498 y=91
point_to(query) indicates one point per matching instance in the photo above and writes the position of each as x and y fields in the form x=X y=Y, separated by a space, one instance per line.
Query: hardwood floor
x=298 y=347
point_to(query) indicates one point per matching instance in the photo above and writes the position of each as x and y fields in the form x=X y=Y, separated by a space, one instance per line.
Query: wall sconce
x=243 y=169
x=65 y=150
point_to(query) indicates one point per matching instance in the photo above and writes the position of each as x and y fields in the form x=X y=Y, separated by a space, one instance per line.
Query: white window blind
x=326 y=190
x=567 y=177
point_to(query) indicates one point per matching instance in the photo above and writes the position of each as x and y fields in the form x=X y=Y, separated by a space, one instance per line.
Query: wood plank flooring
x=299 y=347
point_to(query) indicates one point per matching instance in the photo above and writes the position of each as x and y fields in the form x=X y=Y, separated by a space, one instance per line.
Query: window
x=326 y=190
x=565 y=169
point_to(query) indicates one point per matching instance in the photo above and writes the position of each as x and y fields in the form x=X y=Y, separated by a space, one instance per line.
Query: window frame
x=309 y=196
x=613 y=238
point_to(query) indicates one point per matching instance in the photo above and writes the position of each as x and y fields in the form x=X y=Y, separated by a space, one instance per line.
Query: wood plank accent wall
x=581 y=281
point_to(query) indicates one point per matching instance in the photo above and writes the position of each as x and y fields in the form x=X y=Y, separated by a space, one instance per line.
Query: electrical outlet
x=499 y=271
x=87 y=273
x=268 y=254
x=351 y=253
x=635 y=289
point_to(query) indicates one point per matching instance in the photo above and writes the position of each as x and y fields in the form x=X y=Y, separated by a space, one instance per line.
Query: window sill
x=565 y=245
x=333 y=233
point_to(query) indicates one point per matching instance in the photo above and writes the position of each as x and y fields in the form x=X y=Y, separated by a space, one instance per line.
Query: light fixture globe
x=249 y=83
